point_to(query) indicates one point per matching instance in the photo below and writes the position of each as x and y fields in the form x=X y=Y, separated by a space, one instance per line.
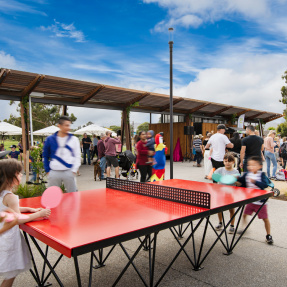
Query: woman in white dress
x=14 y=253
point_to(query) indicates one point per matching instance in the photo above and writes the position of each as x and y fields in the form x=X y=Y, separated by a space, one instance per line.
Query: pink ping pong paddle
x=10 y=216
x=51 y=197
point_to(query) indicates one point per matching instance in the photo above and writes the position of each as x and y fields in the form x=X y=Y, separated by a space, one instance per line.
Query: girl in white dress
x=14 y=253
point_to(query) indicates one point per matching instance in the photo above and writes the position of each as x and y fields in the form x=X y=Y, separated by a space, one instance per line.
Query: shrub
x=26 y=191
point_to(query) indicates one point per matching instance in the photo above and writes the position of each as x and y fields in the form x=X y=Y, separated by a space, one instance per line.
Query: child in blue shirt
x=256 y=179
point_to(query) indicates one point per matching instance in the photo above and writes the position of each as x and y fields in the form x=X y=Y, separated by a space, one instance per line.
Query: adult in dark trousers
x=111 y=153
x=219 y=142
x=197 y=144
x=102 y=154
x=142 y=158
x=86 y=141
x=62 y=156
x=269 y=145
x=236 y=140
x=95 y=146
x=252 y=145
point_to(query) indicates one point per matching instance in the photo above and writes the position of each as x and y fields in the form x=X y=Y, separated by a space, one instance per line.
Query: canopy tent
x=90 y=130
x=8 y=129
x=46 y=131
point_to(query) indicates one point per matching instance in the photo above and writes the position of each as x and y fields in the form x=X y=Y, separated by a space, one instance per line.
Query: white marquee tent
x=92 y=129
x=9 y=130
x=46 y=131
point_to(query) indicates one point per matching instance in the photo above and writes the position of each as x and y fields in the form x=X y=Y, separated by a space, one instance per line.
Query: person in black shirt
x=252 y=145
x=86 y=141
x=236 y=140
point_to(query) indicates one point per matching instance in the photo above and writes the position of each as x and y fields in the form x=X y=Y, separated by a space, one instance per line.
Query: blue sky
x=225 y=51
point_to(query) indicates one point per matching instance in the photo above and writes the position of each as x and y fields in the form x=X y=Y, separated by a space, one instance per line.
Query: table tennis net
x=186 y=196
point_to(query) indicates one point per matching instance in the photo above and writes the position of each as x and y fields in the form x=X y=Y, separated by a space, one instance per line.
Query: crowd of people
x=239 y=157
x=271 y=148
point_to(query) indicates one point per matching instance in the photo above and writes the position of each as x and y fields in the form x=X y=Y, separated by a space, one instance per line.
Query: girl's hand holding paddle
x=45 y=213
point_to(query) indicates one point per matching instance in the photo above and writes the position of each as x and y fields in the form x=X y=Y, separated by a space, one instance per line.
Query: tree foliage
x=144 y=127
x=271 y=129
x=43 y=115
x=115 y=128
x=282 y=129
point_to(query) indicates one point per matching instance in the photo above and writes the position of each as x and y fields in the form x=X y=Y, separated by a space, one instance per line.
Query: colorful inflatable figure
x=158 y=168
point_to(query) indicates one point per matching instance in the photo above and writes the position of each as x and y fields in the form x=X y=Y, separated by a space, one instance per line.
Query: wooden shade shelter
x=14 y=85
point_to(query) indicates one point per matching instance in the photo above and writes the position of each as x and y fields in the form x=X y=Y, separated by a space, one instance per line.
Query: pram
x=276 y=191
x=127 y=163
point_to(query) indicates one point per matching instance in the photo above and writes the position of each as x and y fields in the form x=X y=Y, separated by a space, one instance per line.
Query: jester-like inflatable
x=158 y=168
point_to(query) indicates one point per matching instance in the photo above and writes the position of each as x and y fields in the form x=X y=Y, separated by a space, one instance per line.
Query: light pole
x=170 y=30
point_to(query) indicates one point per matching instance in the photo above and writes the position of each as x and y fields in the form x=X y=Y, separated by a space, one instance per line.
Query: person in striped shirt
x=197 y=144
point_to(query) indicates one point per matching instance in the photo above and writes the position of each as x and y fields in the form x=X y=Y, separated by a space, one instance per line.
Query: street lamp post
x=170 y=30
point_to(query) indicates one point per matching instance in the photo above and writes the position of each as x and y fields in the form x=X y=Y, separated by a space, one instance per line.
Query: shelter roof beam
x=255 y=116
x=175 y=101
x=242 y=112
x=272 y=118
x=137 y=99
x=197 y=108
x=220 y=111
x=28 y=90
x=91 y=94
x=3 y=74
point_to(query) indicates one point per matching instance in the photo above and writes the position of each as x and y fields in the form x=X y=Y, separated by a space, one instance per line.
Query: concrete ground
x=253 y=262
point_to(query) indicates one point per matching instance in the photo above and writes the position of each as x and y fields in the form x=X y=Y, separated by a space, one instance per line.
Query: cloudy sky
x=225 y=51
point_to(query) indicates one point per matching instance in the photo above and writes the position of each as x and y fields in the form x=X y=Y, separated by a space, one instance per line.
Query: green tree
x=271 y=129
x=282 y=129
x=43 y=115
x=144 y=127
x=115 y=128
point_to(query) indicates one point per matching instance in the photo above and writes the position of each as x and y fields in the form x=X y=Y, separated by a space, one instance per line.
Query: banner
x=240 y=123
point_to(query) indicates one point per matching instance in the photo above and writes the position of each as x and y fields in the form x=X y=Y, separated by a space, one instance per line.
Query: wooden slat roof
x=61 y=91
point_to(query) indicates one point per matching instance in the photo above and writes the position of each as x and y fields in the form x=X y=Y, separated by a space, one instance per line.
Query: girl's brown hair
x=9 y=168
x=230 y=157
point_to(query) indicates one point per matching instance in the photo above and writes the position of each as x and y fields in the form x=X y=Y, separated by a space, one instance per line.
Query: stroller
x=127 y=163
x=276 y=191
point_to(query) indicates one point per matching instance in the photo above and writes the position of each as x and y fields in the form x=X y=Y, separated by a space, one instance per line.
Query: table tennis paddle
x=216 y=177
x=51 y=197
x=11 y=216
x=228 y=179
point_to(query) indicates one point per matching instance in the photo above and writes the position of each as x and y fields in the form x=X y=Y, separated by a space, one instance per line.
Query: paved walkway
x=253 y=262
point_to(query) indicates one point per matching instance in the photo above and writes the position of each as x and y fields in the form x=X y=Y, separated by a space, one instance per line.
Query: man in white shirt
x=62 y=156
x=219 y=142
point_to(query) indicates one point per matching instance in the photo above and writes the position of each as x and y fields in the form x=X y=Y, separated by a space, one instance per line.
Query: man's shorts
x=112 y=160
x=251 y=207
x=217 y=164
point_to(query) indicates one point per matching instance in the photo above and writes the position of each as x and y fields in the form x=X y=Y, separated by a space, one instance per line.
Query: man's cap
x=221 y=127
x=12 y=146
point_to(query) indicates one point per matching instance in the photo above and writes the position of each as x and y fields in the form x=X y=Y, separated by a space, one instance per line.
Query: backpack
x=281 y=175
x=283 y=151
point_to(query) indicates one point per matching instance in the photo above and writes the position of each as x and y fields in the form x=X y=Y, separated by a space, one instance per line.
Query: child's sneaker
x=269 y=239
x=219 y=226
x=231 y=230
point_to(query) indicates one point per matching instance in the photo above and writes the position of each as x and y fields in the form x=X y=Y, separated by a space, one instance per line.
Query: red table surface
x=92 y=216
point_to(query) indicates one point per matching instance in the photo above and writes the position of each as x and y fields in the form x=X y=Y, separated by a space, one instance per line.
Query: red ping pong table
x=89 y=221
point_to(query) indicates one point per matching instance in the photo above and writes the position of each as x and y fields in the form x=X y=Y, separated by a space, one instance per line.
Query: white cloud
x=13 y=6
x=269 y=14
x=7 y=61
x=251 y=81
x=65 y=31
